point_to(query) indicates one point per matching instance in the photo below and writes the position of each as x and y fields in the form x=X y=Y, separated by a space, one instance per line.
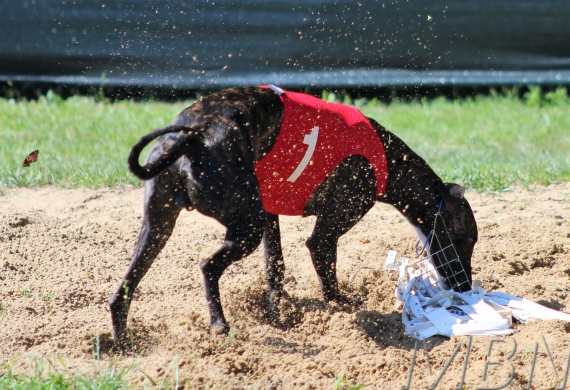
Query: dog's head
x=455 y=235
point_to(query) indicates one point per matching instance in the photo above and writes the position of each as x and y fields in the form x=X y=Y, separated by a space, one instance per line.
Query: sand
x=63 y=253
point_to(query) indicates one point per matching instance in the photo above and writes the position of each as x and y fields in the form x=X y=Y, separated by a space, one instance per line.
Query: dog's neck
x=412 y=185
x=420 y=211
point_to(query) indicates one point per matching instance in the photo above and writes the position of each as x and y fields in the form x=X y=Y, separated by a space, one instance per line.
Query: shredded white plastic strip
x=430 y=309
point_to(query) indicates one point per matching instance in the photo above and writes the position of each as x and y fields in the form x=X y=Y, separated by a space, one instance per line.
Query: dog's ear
x=452 y=194
x=455 y=190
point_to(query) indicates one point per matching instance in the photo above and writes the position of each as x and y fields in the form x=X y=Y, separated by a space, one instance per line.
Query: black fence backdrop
x=344 y=43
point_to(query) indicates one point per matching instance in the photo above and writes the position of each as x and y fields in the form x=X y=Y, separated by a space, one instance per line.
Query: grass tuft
x=340 y=383
x=109 y=377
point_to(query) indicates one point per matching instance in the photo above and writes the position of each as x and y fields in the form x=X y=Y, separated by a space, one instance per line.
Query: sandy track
x=63 y=252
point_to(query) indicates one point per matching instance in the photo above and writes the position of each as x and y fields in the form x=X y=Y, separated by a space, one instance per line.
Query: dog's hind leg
x=160 y=213
x=242 y=237
x=274 y=265
x=339 y=203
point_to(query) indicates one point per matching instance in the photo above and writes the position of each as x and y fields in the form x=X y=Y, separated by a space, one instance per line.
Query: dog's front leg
x=339 y=203
x=274 y=264
x=160 y=213
x=323 y=248
x=242 y=237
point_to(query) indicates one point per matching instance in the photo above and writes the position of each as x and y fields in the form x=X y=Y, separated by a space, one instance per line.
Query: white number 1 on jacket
x=310 y=140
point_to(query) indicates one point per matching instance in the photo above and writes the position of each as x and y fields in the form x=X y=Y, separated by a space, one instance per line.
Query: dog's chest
x=314 y=138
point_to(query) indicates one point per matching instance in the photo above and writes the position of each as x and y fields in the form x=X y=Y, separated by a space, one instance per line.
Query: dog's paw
x=121 y=345
x=357 y=302
x=347 y=301
x=273 y=315
x=274 y=299
x=219 y=329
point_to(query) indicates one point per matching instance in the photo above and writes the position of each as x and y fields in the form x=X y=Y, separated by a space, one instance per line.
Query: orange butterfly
x=32 y=157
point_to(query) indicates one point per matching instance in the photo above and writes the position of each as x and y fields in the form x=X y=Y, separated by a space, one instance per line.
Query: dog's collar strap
x=275 y=89
x=428 y=238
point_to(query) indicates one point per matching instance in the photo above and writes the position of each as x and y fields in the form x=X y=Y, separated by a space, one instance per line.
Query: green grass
x=57 y=373
x=340 y=383
x=81 y=142
x=487 y=144
x=58 y=376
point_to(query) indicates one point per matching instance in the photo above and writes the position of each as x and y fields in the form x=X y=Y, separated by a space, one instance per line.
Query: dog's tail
x=187 y=143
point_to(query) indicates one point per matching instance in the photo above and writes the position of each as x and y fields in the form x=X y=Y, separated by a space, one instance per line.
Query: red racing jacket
x=314 y=138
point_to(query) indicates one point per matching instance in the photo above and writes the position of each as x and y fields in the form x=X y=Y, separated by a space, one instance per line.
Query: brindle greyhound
x=205 y=161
